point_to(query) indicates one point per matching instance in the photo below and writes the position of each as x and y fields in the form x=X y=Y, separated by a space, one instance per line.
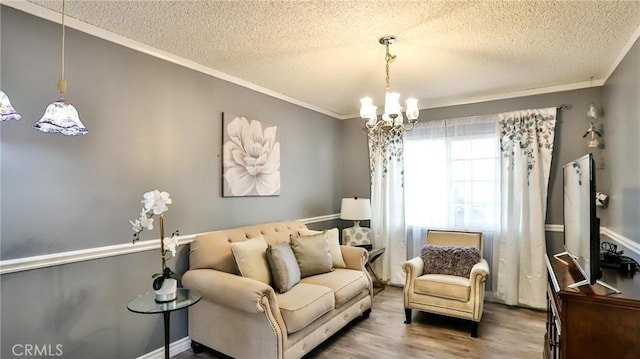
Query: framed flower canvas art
x=250 y=157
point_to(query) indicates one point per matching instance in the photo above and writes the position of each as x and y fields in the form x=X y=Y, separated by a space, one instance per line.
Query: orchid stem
x=162 y=241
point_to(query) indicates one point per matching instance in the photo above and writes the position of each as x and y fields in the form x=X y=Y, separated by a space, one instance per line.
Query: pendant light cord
x=62 y=84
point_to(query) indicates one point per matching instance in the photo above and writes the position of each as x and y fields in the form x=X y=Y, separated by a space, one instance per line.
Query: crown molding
x=70 y=22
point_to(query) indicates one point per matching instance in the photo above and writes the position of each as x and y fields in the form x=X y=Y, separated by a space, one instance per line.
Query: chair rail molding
x=55 y=259
x=616 y=237
x=60 y=258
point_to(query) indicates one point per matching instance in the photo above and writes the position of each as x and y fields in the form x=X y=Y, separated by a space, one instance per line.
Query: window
x=452 y=178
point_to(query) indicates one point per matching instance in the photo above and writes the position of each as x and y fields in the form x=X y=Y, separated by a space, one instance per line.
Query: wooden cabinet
x=589 y=322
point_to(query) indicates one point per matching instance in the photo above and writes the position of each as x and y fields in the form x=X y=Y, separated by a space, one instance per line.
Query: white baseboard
x=175 y=348
x=55 y=259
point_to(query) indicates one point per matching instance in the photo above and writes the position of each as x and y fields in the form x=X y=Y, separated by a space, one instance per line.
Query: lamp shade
x=412 y=109
x=593 y=112
x=61 y=117
x=7 y=112
x=355 y=209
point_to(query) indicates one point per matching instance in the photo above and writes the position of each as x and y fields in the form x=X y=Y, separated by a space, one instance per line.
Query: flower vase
x=168 y=291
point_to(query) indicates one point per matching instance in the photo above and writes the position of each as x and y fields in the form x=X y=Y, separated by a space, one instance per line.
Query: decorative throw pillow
x=284 y=266
x=312 y=254
x=333 y=238
x=251 y=259
x=451 y=260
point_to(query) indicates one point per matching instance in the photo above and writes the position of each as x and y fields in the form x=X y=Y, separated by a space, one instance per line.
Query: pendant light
x=593 y=114
x=60 y=116
x=392 y=117
x=7 y=112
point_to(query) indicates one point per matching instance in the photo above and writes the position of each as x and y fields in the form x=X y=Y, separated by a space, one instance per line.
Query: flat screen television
x=581 y=225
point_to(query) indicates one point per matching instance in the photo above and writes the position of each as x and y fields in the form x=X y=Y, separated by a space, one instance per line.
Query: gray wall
x=152 y=124
x=621 y=99
x=356 y=180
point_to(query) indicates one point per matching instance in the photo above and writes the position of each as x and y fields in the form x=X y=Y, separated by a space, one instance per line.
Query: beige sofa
x=245 y=318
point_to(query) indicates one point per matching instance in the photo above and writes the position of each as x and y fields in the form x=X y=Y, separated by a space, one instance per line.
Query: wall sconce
x=593 y=113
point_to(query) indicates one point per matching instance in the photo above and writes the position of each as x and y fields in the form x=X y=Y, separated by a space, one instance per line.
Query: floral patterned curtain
x=526 y=144
x=387 y=201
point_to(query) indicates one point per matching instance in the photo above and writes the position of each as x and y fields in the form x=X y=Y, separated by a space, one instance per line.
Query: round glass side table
x=146 y=304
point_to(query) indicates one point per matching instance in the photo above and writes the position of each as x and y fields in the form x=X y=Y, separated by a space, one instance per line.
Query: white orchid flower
x=170 y=245
x=145 y=222
x=251 y=158
x=156 y=201
x=137 y=226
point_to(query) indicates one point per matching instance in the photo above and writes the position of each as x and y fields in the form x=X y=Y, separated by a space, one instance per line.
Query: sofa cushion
x=333 y=239
x=312 y=254
x=452 y=260
x=444 y=286
x=251 y=258
x=303 y=304
x=284 y=267
x=345 y=283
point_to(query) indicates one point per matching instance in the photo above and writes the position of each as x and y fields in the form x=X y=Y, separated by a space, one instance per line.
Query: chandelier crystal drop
x=392 y=116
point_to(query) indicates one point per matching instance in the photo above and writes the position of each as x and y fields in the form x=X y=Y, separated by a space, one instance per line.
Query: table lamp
x=356 y=210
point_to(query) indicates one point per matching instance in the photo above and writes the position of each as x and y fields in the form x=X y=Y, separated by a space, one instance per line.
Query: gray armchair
x=443 y=294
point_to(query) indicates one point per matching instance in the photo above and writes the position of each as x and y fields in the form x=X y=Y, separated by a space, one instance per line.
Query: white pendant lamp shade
x=61 y=117
x=392 y=108
x=367 y=109
x=593 y=112
x=412 y=109
x=7 y=112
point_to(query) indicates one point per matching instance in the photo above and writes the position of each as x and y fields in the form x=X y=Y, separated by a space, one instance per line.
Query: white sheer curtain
x=452 y=181
x=526 y=142
x=387 y=202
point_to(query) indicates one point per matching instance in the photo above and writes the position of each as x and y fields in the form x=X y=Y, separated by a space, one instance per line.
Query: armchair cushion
x=444 y=286
x=284 y=267
x=451 y=260
x=312 y=254
x=251 y=258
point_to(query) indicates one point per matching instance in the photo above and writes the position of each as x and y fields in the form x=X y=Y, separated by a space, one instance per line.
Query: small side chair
x=449 y=295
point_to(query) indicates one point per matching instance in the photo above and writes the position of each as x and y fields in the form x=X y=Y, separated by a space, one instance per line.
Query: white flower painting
x=251 y=158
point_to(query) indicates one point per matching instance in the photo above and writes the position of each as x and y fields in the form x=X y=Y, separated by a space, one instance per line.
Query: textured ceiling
x=326 y=53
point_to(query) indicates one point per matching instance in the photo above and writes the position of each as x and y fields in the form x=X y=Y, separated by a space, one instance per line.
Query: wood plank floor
x=504 y=332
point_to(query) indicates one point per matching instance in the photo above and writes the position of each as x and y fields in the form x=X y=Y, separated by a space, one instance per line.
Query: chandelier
x=392 y=116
